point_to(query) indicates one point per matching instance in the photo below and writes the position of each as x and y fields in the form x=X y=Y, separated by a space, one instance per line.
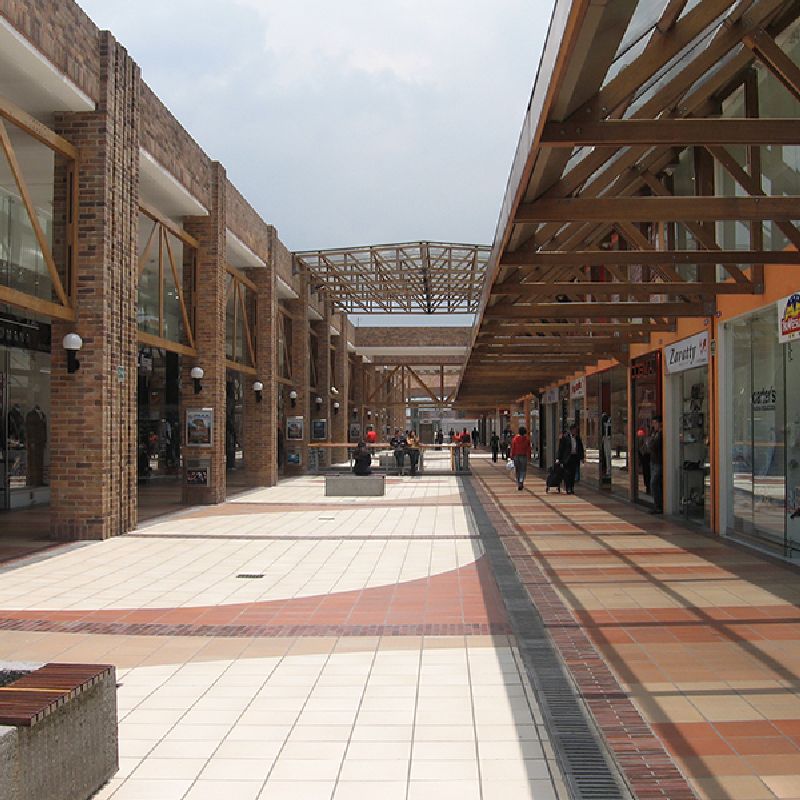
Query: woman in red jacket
x=521 y=454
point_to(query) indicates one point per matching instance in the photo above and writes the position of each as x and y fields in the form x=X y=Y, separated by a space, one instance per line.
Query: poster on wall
x=319 y=429
x=789 y=318
x=577 y=389
x=198 y=472
x=355 y=431
x=295 y=429
x=199 y=427
x=293 y=458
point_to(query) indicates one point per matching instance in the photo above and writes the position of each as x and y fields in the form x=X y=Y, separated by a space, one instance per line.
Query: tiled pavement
x=372 y=659
x=375 y=657
x=701 y=639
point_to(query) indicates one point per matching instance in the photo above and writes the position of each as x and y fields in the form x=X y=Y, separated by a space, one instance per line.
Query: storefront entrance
x=25 y=407
x=159 y=464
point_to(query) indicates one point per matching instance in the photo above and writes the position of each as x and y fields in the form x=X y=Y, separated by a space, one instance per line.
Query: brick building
x=117 y=227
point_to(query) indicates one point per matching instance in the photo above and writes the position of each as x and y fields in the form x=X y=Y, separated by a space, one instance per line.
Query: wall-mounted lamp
x=293 y=398
x=369 y=415
x=72 y=343
x=336 y=407
x=318 y=402
x=355 y=413
x=258 y=388
x=197 y=375
x=334 y=391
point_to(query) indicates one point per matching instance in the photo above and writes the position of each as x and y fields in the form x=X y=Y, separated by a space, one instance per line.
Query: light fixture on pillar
x=355 y=413
x=72 y=343
x=293 y=398
x=197 y=375
x=336 y=407
x=369 y=415
x=318 y=403
x=334 y=391
x=258 y=388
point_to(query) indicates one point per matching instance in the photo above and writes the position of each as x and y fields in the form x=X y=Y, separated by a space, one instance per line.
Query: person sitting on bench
x=362 y=460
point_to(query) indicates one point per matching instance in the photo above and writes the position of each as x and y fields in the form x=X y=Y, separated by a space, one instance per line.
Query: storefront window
x=25 y=405
x=619 y=429
x=761 y=428
x=590 y=470
x=166 y=283
x=45 y=177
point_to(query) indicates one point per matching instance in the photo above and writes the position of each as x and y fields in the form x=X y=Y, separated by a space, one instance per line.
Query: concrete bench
x=355 y=485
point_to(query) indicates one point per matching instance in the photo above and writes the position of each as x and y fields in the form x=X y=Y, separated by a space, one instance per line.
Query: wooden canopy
x=599 y=244
x=409 y=278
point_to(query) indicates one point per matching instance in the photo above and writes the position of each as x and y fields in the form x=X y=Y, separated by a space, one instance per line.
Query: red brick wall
x=174 y=149
x=244 y=221
x=63 y=34
x=410 y=337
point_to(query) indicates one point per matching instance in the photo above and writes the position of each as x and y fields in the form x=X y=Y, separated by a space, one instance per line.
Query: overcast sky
x=349 y=122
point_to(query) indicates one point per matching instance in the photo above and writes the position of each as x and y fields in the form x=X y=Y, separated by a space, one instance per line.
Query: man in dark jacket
x=570 y=454
x=494 y=443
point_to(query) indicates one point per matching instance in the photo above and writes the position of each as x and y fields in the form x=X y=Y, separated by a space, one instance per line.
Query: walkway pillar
x=210 y=343
x=341 y=380
x=322 y=411
x=300 y=354
x=92 y=421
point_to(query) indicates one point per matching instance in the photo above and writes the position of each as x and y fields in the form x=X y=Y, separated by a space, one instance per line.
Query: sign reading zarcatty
x=687 y=353
x=789 y=318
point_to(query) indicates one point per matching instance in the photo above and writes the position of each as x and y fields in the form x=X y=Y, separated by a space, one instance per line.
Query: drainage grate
x=586 y=765
x=250 y=575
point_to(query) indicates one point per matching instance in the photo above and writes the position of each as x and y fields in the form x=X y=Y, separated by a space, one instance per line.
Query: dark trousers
x=644 y=460
x=413 y=460
x=570 y=468
x=494 y=454
x=657 y=486
x=399 y=457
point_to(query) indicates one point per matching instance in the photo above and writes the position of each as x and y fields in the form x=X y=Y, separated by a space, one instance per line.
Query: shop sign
x=577 y=389
x=27 y=334
x=550 y=396
x=199 y=427
x=686 y=354
x=789 y=318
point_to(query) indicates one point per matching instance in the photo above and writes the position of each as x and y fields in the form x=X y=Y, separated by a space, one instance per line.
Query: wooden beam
x=37 y=305
x=158 y=341
x=610 y=288
x=776 y=60
x=670 y=132
x=610 y=310
x=22 y=119
x=169 y=225
x=658 y=209
x=601 y=258
x=576 y=328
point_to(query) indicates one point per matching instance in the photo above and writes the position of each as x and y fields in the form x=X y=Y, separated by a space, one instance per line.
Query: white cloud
x=348 y=122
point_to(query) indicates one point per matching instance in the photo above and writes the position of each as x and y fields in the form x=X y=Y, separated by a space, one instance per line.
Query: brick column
x=210 y=342
x=355 y=409
x=260 y=419
x=93 y=414
x=341 y=380
x=322 y=328
x=299 y=351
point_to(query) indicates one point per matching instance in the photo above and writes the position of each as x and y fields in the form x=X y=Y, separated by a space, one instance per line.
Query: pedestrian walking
x=657 y=465
x=476 y=437
x=494 y=444
x=521 y=454
x=398 y=444
x=570 y=455
x=412 y=441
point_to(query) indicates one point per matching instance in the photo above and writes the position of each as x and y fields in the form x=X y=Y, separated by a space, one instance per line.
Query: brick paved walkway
x=374 y=657
x=700 y=641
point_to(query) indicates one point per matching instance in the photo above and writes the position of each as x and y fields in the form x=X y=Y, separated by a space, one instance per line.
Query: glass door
x=792 y=448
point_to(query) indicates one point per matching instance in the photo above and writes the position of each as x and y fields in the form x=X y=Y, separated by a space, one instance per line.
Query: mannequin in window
x=16 y=427
x=36 y=437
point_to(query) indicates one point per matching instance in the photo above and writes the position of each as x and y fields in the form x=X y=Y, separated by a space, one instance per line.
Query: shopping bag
x=510 y=464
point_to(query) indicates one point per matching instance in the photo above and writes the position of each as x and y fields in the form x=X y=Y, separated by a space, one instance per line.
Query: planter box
x=58 y=732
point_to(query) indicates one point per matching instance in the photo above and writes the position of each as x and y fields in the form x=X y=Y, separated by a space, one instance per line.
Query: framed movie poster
x=199 y=427
x=198 y=472
x=355 y=431
x=295 y=429
x=293 y=458
x=319 y=429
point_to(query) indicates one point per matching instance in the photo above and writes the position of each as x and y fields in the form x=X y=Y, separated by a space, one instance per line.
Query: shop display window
x=694 y=468
x=763 y=489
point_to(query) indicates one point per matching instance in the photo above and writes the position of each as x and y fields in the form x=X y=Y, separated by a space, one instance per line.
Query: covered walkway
x=664 y=630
